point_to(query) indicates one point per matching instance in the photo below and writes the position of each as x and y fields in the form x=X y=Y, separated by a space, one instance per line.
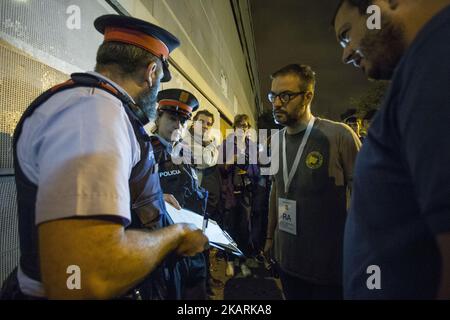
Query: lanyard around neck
x=288 y=177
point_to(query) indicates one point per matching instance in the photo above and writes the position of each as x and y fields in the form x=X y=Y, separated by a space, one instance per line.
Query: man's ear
x=309 y=96
x=150 y=73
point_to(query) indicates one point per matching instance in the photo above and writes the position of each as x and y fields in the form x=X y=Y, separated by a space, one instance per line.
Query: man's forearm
x=111 y=261
x=139 y=253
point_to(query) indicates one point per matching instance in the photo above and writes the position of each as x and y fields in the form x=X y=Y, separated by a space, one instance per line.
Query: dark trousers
x=195 y=274
x=237 y=222
x=295 y=288
x=259 y=217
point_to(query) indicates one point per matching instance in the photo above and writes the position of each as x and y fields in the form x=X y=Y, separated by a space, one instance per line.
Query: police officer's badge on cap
x=178 y=101
x=141 y=34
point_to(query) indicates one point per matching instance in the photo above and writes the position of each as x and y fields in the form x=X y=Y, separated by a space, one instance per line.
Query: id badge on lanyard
x=287 y=216
x=287 y=209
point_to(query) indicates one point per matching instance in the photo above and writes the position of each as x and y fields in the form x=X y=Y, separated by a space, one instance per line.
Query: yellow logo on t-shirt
x=314 y=160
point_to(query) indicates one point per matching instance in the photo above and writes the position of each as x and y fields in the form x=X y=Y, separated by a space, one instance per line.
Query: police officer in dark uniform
x=178 y=176
x=93 y=175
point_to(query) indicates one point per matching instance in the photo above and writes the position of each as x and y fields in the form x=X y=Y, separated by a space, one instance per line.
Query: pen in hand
x=205 y=222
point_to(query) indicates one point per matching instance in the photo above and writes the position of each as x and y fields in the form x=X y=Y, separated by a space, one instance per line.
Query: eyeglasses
x=243 y=126
x=344 y=39
x=284 y=96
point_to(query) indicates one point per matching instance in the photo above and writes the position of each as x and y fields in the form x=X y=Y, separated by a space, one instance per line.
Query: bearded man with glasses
x=308 y=201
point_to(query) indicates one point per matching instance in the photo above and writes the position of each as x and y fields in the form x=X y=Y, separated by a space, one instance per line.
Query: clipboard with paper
x=218 y=238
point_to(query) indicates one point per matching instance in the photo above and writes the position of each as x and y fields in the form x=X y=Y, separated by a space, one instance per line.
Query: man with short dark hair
x=85 y=171
x=397 y=239
x=308 y=204
x=203 y=144
x=205 y=152
x=207 y=116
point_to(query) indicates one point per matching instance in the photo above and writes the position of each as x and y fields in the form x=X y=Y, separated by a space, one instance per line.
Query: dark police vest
x=147 y=202
x=180 y=180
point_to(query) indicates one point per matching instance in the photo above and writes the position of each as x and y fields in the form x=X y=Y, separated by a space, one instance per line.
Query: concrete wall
x=216 y=60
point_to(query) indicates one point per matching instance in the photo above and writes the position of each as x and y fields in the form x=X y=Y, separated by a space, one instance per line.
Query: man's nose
x=277 y=103
x=348 y=55
x=177 y=124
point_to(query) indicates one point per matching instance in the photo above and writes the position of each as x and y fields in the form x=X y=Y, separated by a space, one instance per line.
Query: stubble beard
x=148 y=101
x=384 y=49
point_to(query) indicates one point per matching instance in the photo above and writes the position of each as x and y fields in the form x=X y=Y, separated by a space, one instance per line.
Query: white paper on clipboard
x=216 y=236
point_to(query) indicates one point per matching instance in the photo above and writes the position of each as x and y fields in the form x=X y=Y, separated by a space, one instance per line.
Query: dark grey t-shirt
x=319 y=188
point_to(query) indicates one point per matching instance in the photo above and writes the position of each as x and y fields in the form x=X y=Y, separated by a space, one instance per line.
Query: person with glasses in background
x=240 y=175
x=367 y=121
x=308 y=203
x=350 y=118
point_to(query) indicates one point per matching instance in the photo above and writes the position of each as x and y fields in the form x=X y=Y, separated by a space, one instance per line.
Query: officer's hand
x=194 y=241
x=170 y=199
x=268 y=249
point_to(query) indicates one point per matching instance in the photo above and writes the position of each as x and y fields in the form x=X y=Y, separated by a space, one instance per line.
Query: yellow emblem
x=184 y=96
x=314 y=160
